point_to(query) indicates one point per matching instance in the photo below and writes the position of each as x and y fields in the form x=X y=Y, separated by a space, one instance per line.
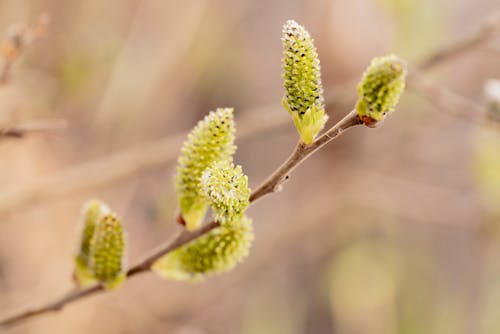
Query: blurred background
x=387 y=230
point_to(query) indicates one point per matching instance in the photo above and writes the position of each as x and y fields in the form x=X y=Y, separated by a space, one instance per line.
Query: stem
x=76 y=294
x=302 y=152
x=272 y=184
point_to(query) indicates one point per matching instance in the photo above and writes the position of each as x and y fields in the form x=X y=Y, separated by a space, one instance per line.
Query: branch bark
x=23 y=130
x=272 y=184
x=299 y=155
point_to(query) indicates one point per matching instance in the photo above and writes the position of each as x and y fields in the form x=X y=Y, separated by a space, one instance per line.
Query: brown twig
x=301 y=153
x=18 y=38
x=273 y=183
x=470 y=41
x=446 y=100
x=25 y=129
x=120 y=165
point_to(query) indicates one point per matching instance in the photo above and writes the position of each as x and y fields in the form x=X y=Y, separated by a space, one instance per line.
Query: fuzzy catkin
x=381 y=86
x=210 y=141
x=302 y=81
x=226 y=189
x=217 y=251
x=92 y=212
x=108 y=251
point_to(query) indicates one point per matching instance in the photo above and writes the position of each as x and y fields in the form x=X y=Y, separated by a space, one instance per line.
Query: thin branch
x=123 y=164
x=77 y=294
x=19 y=37
x=22 y=130
x=273 y=183
x=484 y=32
x=300 y=154
x=450 y=102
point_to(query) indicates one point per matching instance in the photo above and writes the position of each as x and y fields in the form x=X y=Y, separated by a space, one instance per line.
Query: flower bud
x=217 y=251
x=226 y=189
x=379 y=90
x=107 y=251
x=302 y=80
x=92 y=212
x=211 y=140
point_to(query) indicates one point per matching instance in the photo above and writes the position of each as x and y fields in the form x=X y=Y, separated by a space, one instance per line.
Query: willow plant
x=207 y=178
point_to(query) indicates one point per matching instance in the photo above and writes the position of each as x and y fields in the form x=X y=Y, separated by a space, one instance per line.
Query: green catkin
x=380 y=88
x=210 y=141
x=226 y=189
x=107 y=251
x=302 y=80
x=217 y=251
x=92 y=212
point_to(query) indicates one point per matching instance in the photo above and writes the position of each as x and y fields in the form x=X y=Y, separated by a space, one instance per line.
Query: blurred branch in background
x=272 y=184
x=157 y=155
x=468 y=42
x=123 y=164
x=19 y=37
x=22 y=130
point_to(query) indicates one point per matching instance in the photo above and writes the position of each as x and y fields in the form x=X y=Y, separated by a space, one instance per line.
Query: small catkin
x=217 y=251
x=380 y=88
x=210 y=141
x=91 y=213
x=107 y=251
x=226 y=189
x=302 y=80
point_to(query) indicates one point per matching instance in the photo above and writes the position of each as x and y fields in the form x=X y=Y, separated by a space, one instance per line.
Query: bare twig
x=120 y=165
x=25 y=129
x=475 y=38
x=446 y=100
x=78 y=294
x=301 y=153
x=273 y=183
x=18 y=38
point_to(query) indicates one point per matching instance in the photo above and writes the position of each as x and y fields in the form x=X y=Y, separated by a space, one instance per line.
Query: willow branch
x=299 y=155
x=484 y=32
x=22 y=130
x=272 y=184
x=123 y=164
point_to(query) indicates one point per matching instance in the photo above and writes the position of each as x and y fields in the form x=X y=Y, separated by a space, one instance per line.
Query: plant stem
x=300 y=153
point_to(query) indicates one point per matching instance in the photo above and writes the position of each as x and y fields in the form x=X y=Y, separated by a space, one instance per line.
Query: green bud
x=107 y=251
x=302 y=80
x=210 y=141
x=92 y=212
x=226 y=189
x=382 y=84
x=217 y=251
